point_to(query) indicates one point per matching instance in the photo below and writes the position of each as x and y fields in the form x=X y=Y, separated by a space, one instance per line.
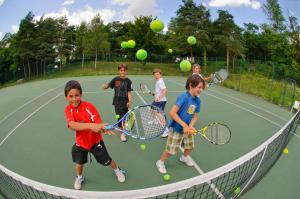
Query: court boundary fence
x=229 y=181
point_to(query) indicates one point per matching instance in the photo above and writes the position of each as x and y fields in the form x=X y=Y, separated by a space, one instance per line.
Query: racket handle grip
x=109 y=127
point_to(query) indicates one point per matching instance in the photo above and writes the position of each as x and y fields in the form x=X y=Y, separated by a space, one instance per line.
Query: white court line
x=283 y=119
x=11 y=113
x=272 y=122
x=276 y=124
x=195 y=165
x=29 y=117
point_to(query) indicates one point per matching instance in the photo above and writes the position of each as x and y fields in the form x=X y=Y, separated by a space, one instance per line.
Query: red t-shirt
x=84 y=113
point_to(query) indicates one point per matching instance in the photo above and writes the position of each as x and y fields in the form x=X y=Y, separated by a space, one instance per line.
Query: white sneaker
x=120 y=175
x=186 y=160
x=78 y=182
x=161 y=166
x=123 y=137
x=165 y=133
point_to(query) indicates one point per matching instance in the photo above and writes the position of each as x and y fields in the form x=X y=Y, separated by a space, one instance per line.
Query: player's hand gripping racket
x=216 y=133
x=218 y=77
x=145 y=89
x=142 y=122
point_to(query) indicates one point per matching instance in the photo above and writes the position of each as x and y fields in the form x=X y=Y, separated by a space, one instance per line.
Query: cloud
x=1 y=2
x=235 y=3
x=138 y=8
x=68 y=2
x=85 y=15
x=14 y=28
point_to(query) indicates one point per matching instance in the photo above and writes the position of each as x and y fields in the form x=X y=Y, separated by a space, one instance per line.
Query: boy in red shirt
x=83 y=118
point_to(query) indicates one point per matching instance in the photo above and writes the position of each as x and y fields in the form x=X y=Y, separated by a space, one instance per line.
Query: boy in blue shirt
x=184 y=115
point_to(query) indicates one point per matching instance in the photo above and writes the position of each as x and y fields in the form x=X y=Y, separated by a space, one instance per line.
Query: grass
x=252 y=83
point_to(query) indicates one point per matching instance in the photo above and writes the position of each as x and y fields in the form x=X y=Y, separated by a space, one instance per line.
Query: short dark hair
x=193 y=81
x=72 y=84
x=122 y=66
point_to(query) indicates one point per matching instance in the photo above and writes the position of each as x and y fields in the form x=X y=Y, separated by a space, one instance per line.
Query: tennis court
x=36 y=144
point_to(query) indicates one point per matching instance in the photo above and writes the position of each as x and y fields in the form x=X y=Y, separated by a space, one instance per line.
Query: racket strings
x=218 y=133
x=148 y=122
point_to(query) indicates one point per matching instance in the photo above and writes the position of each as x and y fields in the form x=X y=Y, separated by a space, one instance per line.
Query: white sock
x=79 y=176
x=161 y=162
x=116 y=170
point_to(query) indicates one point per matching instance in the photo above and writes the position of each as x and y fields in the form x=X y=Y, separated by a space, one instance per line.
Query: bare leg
x=113 y=165
x=187 y=152
x=79 y=169
x=164 y=156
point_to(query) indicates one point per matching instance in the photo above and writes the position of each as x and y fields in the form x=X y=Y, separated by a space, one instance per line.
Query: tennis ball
x=191 y=40
x=117 y=116
x=170 y=50
x=286 y=151
x=141 y=54
x=185 y=65
x=131 y=43
x=166 y=177
x=157 y=25
x=124 y=44
x=143 y=147
x=237 y=190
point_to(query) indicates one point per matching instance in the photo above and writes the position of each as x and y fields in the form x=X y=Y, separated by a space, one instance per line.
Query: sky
x=244 y=11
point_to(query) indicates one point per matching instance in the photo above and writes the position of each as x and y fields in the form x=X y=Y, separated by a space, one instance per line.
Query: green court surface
x=35 y=142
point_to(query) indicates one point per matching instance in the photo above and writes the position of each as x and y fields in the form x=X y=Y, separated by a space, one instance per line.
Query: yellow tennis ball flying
x=185 y=65
x=131 y=43
x=117 y=116
x=191 y=40
x=143 y=147
x=157 y=25
x=285 y=151
x=166 y=177
x=141 y=54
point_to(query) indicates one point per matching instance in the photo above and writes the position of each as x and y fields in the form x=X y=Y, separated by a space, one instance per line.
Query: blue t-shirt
x=188 y=106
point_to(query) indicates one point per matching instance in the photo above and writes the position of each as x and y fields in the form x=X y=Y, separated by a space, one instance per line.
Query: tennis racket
x=142 y=122
x=145 y=89
x=216 y=133
x=218 y=77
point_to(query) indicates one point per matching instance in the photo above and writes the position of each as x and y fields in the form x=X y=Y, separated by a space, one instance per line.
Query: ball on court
x=286 y=151
x=166 y=177
x=185 y=65
x=157 y=25
x=131 y=43
x=191 y=40
x=143 y=147
x=141 y=54
x=170 y=50
x=237 y=190
x=124 y=44
x=117 y=116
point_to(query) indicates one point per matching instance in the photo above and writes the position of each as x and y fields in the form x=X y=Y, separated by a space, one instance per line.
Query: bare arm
x=77 y=126
x=105 y=86
x=194 y=120
x=163 y=94
x=129 y=94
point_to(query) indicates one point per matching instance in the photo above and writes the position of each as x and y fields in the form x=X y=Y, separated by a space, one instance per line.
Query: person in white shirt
x=197 y=70
x=160 y=99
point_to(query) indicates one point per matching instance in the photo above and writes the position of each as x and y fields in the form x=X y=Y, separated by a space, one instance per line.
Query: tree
x=191 y=20
x=25 y=42
x=81 y=34
x=226 y=34
x=273 y=11
x=97 y=41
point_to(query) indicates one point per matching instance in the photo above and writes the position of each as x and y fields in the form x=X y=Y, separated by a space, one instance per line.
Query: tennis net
x=228 y=181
